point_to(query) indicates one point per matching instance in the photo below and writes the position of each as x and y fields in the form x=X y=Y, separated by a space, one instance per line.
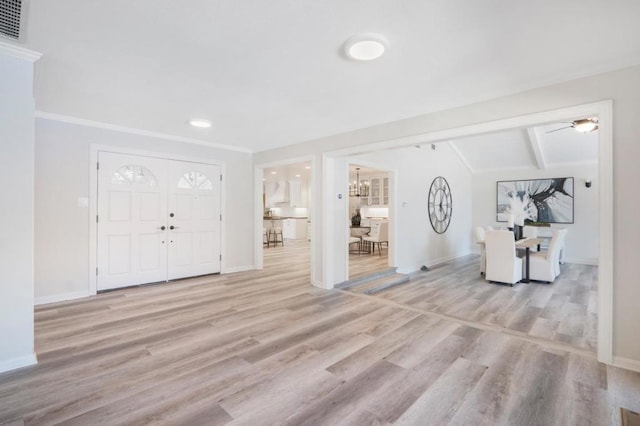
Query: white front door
x=157 y=220
x=132 y=210
x=194 y=219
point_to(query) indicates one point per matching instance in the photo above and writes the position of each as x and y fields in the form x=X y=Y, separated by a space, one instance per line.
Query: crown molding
x=131 y=130
x=19 y=52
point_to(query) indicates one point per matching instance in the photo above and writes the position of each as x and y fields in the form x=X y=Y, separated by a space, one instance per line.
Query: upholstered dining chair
x=478 y=235
x=502 y=263
x=543 y=265
x=355 y=240
x=563 y=235
x=379 y=234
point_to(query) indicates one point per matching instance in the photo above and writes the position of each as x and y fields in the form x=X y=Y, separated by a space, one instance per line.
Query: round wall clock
x=440 y=205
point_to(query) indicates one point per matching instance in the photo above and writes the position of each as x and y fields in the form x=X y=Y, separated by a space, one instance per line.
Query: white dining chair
x=355 y=240
x=379 y=234
x=479 y=236
x=543 y=265
x=502 y=263
x=563 y=235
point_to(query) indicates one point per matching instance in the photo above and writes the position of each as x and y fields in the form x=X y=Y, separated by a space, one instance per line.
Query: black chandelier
x=359 y=189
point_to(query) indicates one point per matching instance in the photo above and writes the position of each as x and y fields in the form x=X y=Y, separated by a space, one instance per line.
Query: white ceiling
x=271 y=73
x=516 y=149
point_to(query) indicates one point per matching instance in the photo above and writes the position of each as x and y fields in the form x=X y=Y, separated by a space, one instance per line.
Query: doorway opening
x=286 y=218
x=409 y=246
x=369 y=193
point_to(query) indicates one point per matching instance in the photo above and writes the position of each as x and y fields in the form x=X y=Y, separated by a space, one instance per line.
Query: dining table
x=526 y=244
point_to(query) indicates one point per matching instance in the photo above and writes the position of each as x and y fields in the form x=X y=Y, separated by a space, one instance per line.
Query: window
x=195 y=180
x=133 y=174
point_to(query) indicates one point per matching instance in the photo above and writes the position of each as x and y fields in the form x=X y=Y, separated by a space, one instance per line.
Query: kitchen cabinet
x=276 y=192
x=294 y=228
x=378 y=191
x=295 y=193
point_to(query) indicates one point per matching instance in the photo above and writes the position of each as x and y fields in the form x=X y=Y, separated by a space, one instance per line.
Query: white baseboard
x=430 y=263
x=22 y=361
x=61 y=297
x=581 y=261
x=626 y=363
x=239 y=269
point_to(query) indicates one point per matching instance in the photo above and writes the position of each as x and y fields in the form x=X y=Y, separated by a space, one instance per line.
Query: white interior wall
x=622 y=87
x=581 y=245
x=62 y=154
x=16 y=213
x=417 y=243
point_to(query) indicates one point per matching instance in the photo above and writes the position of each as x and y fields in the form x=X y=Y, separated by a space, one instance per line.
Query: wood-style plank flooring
x=365 y=263
x=266 y=348
x=564 y=311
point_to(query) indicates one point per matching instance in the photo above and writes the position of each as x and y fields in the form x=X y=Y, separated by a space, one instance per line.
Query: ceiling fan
x=583 y=125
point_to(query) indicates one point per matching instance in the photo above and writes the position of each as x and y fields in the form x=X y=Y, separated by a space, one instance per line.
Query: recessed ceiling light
x=365 y=47
x=307 y=167
x=200 y=122
x=274 y=173
x=297 y=175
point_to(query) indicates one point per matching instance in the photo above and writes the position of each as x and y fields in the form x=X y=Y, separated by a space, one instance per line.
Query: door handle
x=174 y=227
x=162 y=228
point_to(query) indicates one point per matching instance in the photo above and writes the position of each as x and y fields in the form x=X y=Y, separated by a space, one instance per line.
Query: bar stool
x=265 y=236
x=275 y=232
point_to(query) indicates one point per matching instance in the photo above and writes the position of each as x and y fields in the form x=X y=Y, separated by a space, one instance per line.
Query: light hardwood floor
x=364 y=263
x=264 y=347
x=564 y=311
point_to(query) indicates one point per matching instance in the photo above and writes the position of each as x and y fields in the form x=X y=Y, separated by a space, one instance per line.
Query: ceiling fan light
x=585 y=126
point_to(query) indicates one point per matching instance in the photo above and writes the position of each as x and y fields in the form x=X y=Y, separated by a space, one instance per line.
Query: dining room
x=368 y=221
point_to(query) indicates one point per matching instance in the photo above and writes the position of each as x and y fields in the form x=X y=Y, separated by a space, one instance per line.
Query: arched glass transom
x=195 y=180
x=133 y=174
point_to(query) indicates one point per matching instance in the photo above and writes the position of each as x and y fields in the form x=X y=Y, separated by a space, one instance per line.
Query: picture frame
x=536 y=200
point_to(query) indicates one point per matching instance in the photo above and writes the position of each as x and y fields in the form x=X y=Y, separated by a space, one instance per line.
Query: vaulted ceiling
x=272 y=73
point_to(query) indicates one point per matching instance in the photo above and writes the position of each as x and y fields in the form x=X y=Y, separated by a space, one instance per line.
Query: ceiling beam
x=536 y=147
x=462 y=158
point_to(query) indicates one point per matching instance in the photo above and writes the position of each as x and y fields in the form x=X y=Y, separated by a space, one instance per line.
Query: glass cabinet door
x=385 y=191
x=375 y=197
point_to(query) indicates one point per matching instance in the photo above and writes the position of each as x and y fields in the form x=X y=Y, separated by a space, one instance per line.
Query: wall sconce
x=587 y=183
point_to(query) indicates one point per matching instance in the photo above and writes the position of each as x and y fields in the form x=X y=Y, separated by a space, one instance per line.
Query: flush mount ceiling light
x=365 y=47
x=202 y=123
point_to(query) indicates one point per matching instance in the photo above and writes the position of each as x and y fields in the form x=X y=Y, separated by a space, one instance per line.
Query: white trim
x=134 y=131
x=19 y=52
x=19 y=362
x=61 y=297
x=94 y=150
x=239 y=269
x=626 y=363
x=602 y=110
x=581 y=261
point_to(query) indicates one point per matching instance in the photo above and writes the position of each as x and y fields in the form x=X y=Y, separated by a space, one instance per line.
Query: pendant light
x=359 y=189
